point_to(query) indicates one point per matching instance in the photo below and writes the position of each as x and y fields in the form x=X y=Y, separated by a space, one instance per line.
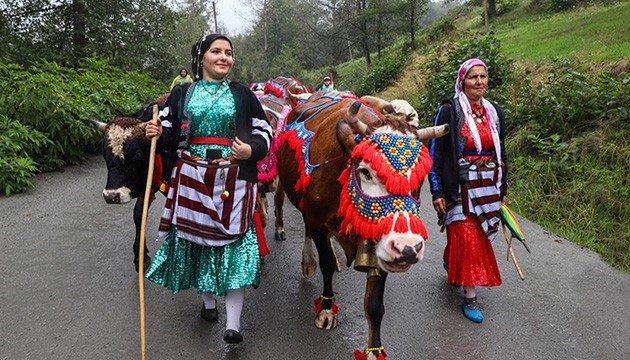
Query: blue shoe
x=471 y=310
x=445 y=265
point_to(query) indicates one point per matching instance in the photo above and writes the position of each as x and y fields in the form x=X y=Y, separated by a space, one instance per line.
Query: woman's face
x=217 y=61
x=475 y=83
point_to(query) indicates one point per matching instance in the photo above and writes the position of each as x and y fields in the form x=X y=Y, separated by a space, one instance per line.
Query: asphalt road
x=69 y=291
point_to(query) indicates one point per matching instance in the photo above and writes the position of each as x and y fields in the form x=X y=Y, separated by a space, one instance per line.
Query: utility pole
x=214 y=12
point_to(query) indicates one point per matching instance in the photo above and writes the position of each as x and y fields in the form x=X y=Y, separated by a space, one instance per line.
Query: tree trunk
x=79 y=37
x=365 y=40
x=492 y=8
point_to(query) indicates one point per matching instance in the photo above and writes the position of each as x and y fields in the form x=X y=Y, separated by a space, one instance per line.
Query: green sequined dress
x=180 y=264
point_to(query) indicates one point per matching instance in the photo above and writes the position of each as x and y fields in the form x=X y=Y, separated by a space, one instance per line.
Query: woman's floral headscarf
x=463 y=70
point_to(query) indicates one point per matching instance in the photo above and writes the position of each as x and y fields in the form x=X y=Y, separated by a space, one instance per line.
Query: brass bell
x=366 y=256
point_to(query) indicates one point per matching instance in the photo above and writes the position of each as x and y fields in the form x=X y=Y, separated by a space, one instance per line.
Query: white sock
x=470 y=292
x=209 y=301
x=233 y=307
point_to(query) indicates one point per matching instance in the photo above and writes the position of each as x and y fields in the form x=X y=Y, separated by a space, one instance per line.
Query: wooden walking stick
x=143 y=230
x=511 y=251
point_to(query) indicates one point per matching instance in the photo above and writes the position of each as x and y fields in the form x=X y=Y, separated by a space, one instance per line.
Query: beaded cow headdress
x=401 y=163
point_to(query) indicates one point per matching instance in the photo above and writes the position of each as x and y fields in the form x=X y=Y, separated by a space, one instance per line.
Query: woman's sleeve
x=168 y=117
x=437 y=150
x=262 y=132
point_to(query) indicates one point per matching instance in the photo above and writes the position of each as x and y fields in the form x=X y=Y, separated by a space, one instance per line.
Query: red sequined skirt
x=469 y=255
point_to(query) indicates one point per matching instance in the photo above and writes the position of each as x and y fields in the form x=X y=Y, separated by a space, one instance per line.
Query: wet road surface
x=69 y=291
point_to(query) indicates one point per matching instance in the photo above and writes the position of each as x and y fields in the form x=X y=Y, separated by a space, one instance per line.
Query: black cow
x=126 y=152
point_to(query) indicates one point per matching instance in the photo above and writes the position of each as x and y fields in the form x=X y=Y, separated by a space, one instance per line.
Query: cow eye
x=365 y=173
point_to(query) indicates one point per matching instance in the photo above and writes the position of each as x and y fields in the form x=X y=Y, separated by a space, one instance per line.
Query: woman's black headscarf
x=199 y=49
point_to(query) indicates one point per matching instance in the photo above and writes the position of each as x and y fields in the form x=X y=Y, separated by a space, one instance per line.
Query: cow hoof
x=326 y=319
x=280 y=236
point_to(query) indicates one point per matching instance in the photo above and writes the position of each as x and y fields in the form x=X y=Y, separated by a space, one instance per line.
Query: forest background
x=558 y=67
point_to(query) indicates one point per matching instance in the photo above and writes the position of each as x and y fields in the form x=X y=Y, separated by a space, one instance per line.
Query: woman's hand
x=241 y=150
x=153 y=128
x=439 y=205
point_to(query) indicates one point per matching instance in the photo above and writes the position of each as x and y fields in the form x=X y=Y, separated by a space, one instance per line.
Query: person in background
x=182 y=78
x=327 y=86
x=212 y=132
x=469 y=181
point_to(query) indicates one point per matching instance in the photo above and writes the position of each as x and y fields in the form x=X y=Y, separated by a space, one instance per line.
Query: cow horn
x=432 y=132
x=353 y=120
x=99 y=125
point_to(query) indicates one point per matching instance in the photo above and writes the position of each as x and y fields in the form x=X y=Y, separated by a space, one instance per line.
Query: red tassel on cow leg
x=358 y=355
x=260 y=234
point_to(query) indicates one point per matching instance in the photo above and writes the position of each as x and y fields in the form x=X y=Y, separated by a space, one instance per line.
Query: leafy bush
x=570 y=158
x=16 y=166
x=569 y=102
x=381 y=73
x=443 y=72
x=59 y=102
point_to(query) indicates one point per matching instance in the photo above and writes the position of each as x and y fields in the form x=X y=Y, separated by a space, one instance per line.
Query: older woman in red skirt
x=469 y=182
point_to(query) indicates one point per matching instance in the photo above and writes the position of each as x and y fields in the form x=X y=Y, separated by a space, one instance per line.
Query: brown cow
x=375 y=176
x=281 y=94
x=276 y=109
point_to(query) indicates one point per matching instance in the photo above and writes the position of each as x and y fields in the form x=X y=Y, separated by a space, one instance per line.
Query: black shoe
x=232 y=336
x=211 y=315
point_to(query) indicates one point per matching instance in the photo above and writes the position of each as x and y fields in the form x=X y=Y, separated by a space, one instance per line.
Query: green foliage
x=440 y=29
x=562 y=5
x=356 y=77
x=567 y=101
x=570 y=158
x=59 y=102
x=17 y=141
x=443 y=72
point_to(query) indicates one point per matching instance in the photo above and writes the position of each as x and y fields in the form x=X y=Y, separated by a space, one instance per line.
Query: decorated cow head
x=381 y=186
x=126 y=153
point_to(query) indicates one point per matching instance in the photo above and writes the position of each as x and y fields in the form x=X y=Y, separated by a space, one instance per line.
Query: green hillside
x=596 y=33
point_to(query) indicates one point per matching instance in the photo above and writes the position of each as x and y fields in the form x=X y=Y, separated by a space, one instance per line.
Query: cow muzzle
x=117 y=196
x=398 y=253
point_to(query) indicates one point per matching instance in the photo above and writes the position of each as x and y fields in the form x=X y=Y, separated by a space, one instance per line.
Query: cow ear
x=345 y=136
x=388 y=109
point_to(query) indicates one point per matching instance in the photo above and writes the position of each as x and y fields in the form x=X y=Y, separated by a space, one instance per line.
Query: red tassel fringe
x=260 y=234
x=317 y=302
x=361 y=355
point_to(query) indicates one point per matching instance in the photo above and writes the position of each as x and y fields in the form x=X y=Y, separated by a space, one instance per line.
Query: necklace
x=479 y=119
x=216 y=93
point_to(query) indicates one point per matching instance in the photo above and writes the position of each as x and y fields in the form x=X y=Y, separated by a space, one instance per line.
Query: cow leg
x=137 y=220
x=327 y=315
x=374 y=308
x=261 y=205
x=278 y=203
x=309 y=263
